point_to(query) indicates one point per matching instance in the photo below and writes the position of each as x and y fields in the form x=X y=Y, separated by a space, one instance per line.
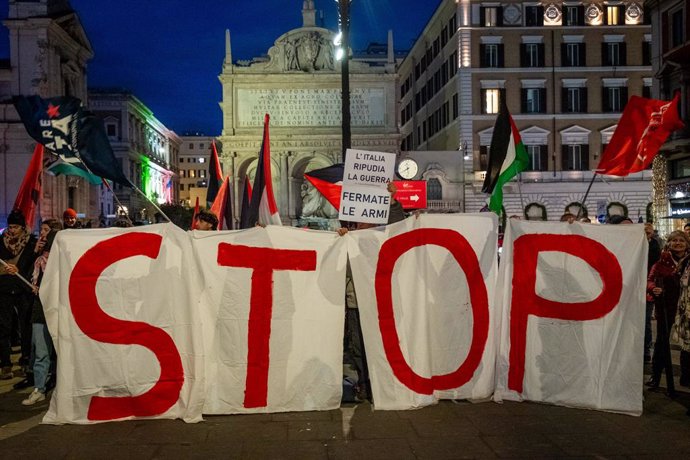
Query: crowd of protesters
x=22 y=321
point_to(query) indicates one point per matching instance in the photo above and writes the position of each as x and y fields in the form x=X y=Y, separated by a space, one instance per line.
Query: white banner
x=573 y=320
x=122 y=308
x=425 y=291
x=273 y=319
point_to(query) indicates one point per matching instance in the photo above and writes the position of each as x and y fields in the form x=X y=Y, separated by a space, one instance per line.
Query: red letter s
x=99 y=326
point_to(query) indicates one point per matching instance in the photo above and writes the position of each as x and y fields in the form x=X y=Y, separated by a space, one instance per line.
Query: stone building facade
x=298 y=84
x=565 y=70
x=671 y=62
x=49 y=51
x=146 y=149
x=193 y=161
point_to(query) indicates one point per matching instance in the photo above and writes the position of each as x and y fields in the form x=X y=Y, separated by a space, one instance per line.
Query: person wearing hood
x=16 y=252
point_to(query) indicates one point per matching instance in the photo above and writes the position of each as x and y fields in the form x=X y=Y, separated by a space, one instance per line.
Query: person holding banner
x=663 y=285
x=16 y=253
x=41 y=341
x=206 y=220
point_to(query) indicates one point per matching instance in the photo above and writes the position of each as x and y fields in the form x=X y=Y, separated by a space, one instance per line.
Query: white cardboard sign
x=364 y=196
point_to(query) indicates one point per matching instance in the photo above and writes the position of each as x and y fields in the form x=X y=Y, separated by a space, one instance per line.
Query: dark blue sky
x=170 y=52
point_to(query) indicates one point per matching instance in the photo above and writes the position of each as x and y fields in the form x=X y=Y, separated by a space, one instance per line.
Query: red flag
x=30 y=191
x=244 y=207
x=328 y=181
x=222 y=206
x=215 y=175
x=263 y=208
x=641 y=131
x=196 y=213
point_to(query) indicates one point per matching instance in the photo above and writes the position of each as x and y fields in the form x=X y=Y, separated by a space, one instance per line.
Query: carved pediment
x=308 y=49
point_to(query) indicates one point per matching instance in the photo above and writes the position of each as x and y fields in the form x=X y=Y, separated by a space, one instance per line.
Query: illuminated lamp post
x=342 y=41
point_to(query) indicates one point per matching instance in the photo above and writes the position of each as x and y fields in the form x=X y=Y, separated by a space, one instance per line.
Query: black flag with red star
x=75 y=135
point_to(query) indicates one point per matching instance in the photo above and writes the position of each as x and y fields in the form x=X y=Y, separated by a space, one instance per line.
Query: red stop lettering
x=526 y=302
x=99 y=326
x=463 y=253
x=263 y=262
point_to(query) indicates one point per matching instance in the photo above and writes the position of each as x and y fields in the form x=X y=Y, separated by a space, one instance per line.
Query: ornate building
x=195 y=152
x=671 y=63
x=147 y=150
x=565 y=70
x=48 y=55
x=298 y=84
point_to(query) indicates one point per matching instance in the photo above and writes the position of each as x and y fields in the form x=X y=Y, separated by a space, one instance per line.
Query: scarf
x=15 y=244
x=39 y=267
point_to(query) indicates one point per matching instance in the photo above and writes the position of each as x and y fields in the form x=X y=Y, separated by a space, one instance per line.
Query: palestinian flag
x=246 y=199
x=262 y=207
x=215 y=176
x=507 y=157
x=328 y=181
x=222 y=206
x=57 y=166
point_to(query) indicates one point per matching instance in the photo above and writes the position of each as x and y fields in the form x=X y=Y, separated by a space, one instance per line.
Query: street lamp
x=344 y=35
x=465 y=156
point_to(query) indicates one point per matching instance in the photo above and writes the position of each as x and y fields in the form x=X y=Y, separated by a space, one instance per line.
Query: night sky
x=169 y=53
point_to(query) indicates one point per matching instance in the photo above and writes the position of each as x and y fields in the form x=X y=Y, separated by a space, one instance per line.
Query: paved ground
x=448 y=430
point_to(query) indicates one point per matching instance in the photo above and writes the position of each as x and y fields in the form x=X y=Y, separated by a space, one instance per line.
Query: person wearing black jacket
x=16 y=251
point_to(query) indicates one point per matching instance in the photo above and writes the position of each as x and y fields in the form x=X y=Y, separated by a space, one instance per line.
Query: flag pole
x=582 y=203
x=6 y=265
x=105 y=182
x=152 y=202
x=522 y=202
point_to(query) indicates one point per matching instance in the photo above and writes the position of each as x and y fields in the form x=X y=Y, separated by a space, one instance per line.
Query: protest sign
x=572 y=325
x=364 y=197
x=425 y=291
x=273 y=319
x=122 y=309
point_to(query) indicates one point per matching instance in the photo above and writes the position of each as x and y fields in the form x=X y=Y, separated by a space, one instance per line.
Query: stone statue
x=311 y=45
x=314 y=204
x=291 y=56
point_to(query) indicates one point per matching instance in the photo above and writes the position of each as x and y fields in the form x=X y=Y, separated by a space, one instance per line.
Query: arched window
x=434 y=191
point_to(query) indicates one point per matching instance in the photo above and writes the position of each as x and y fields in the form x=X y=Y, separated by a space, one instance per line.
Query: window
x=483 y=157
x=613 y=54
x=111 y=129
x=576 y=157
x=491 y=16
x=181 y=159
x=533 y=100
x=491 y=100
x=647 y=91
x=183 y=172
x=181 y=187
x=202 y=173
x=202 y=160
x=192 y=173
x=455 y=106
x=201 y=146
x=532 y=55
x=491 y=54
x=573 y=54
x=452 y=25
x=191 y=146
x=574 y=15
x=614 y=99
x=615 y=15
x=534 y=16
x=190 y=186
x=538 y=160
x=647 y=53
x=574 y=100
x=677 y=35
x=434 y=191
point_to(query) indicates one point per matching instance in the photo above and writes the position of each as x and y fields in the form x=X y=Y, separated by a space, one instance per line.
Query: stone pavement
x=448 y=430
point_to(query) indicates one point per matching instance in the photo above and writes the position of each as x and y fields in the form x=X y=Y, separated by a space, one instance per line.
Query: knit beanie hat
x=69 y=212
x=16 y=218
